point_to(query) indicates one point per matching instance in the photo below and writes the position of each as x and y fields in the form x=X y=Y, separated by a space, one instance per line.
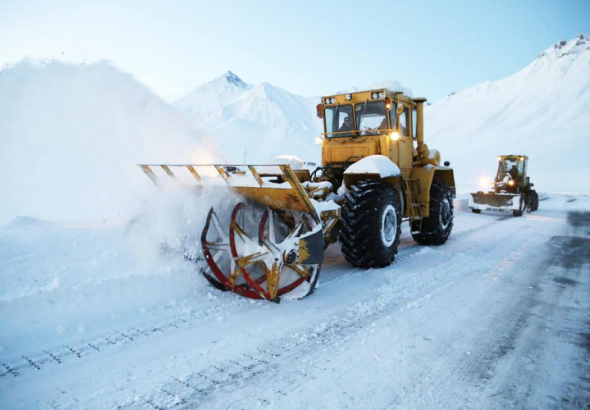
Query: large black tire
x=521 y=206
x=534 y=200
x=370 y=225
x=436 y=229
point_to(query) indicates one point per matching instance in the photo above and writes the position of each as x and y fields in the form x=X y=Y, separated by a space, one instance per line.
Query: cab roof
x=368 y=95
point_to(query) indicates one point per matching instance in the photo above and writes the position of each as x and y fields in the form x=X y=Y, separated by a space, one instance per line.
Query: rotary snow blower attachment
x=512 y=189
x=273 y=244
x=376 y=170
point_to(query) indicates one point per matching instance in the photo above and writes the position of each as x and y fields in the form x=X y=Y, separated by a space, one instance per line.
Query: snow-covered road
x=496 y=318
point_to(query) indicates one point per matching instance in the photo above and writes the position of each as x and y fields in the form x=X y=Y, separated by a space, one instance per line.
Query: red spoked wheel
x=266 y=255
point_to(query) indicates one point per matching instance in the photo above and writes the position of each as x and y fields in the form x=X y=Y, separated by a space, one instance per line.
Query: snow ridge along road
x=496 y=318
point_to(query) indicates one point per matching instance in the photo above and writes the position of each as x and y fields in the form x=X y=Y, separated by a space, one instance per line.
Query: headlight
x=319 y=140
x=511 y=182
x=381 y=94
x=327 y=101
x=348 y=97
x=374 y=95
x=485 y=183
x=332 y=100
x=394 y=136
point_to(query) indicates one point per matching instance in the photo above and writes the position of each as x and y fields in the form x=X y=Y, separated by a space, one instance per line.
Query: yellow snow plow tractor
x=512 y=189
x=376 y=170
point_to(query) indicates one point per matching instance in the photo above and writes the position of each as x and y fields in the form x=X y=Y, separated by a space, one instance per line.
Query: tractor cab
x=365 y=123
x=512 y=189
x=511 y=176
x=358 y=115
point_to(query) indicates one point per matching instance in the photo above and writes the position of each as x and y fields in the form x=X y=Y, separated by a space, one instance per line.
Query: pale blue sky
x=307 y=47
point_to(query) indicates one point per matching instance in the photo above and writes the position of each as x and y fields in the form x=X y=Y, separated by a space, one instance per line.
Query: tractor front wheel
x=371 y=224
x=521 y=206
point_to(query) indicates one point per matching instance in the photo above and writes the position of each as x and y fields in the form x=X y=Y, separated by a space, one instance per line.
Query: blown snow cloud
x=70 y=136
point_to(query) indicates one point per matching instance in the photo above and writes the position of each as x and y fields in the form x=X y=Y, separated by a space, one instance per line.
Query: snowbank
x=70 y=136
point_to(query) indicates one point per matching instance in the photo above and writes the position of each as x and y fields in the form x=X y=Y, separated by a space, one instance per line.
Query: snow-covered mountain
x=70 y=136
x=542 y=111
x=253 y=122
x=203 y=104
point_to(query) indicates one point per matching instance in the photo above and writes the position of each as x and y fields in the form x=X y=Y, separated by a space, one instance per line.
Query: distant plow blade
x=493 y=201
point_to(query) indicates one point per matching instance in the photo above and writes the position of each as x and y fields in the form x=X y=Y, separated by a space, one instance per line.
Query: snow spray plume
x=171 y=220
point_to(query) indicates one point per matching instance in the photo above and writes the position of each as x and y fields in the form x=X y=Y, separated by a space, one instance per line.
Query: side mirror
x=320 y=110
x=532 y=184
x=447 y=163
x=400 y=108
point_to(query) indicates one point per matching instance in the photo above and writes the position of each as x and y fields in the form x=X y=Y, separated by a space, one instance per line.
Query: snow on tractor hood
x=376 y=165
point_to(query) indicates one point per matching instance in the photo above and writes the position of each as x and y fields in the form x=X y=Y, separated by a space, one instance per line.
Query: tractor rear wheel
x=436 y=229
x=534 y=200
x=370 y=225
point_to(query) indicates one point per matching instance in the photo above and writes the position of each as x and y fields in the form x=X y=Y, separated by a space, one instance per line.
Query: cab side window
x=414 y=124
x=392 y=115
x=403 y=123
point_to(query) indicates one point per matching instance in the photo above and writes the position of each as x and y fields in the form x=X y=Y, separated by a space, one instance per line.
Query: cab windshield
x=508 y=168
x=371 y=118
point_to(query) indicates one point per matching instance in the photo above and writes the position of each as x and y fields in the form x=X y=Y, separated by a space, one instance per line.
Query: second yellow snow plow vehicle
x=512 y=189
x=376 y=170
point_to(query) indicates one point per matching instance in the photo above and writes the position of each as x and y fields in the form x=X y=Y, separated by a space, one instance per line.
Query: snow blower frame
x=281 y=255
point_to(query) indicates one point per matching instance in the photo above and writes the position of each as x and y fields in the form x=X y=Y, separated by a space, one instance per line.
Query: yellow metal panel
x=447 y=176
x=275 y=198
x=167 y=171
x=424 y=176
x=148 y=171
x=255 y=174
x=345 y=149
x=194 y=172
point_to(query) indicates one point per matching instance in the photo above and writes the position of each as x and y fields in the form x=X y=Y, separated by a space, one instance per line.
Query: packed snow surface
x=102 y=304
x=101 y=316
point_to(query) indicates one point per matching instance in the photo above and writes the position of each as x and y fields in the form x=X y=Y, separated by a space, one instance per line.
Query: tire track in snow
x=465 y=366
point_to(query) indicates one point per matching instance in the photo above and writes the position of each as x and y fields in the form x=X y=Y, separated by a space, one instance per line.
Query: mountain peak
x=576 y=45
x=233 y=79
